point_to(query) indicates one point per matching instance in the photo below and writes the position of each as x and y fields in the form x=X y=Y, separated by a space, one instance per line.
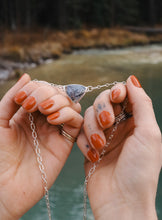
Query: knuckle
x=88 y=110
x=80 y=120
x=102 y=96
x=158 y=135
x=77 y=108
x=148 y=100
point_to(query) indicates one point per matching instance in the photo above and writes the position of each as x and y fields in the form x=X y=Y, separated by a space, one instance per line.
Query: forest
x=76 y=14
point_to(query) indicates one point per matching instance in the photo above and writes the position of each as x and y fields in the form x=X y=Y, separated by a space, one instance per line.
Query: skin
x=125 y=183
x=123 y=186
x=20 y=179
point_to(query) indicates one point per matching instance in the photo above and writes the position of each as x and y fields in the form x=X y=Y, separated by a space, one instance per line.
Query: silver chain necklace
x=75 y=93
x=120 y=118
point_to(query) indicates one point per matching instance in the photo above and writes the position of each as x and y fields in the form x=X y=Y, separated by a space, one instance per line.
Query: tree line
x=69 y=14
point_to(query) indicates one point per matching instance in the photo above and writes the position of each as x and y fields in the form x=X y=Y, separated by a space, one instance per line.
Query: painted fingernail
x=29 y=103
x=20 y=97
x=54 y=116
x=115 y=93
x=97 y=141
x=105 y=118
x=135 y=81
x=93 y=155
x=47 y=104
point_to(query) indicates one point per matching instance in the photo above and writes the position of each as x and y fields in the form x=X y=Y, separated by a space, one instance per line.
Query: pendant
x=75 y=92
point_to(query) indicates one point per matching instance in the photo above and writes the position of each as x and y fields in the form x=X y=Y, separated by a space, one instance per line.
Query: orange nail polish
x=47 y=104
x=20 y=97
x=97 y=141
x=105 y=118
x=29 y=103
x=93 y=155
x=54 y=116
x=135 y=81
x=115 y=93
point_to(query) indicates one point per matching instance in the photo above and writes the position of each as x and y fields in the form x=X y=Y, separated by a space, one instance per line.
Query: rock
x=6 y=74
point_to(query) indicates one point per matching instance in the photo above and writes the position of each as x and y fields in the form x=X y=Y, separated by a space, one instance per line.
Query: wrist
x=125 y=212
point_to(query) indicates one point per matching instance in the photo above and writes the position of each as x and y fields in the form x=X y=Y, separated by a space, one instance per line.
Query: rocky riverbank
x=22 y=50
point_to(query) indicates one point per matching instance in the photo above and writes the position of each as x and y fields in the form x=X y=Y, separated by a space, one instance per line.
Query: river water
x=93 y=67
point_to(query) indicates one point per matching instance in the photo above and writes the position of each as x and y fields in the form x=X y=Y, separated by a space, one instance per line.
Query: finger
x=104 y=110
x=37 y=96
x=141 y=104
x=55 y=103
x=25 y=91
x=67 y=116
x=117 y=96
x=93 y=131
x=128 y=108
x=118 y=93
x=90 y=153
x=7 y=105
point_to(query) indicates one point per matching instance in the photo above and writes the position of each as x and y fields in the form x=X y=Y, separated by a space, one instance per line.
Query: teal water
x=90 y=68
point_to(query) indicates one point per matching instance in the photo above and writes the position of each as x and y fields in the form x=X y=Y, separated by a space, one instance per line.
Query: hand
x=20 y=178
x=125 y=183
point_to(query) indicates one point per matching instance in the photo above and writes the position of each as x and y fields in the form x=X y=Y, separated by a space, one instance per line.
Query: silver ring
x=66 y=135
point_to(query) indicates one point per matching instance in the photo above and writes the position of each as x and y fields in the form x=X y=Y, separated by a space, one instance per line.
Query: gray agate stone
x=75 y=92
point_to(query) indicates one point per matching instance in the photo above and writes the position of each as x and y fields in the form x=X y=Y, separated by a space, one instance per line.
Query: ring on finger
x=66 y=135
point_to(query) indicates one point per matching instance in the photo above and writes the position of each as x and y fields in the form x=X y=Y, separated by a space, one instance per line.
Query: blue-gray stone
x=75 y=92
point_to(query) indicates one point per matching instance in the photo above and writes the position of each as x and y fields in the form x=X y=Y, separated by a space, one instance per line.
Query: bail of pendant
x=75 y=92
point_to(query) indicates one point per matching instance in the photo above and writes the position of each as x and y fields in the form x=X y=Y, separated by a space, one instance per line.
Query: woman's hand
x=20 y=178
x=125 y=183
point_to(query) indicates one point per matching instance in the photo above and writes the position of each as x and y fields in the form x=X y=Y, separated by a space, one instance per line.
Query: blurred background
x=88 y=42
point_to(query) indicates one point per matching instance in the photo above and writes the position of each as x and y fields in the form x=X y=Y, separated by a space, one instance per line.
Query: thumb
x=141 y=104
x=146 y=128
x=7 y=105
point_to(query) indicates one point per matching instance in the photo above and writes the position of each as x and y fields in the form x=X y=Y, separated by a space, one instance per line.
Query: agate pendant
x=75 y=92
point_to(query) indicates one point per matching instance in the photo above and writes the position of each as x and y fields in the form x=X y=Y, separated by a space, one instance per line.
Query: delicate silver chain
x=95 y=165
x=93 y=168
x=40 y=163
x=88 y=88
x=91 y=88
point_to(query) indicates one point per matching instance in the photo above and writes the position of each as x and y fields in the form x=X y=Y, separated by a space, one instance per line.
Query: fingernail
x=115 y=93
x=54 y=116
x=97 y=141
x=93 y=155
x=135 y=81
x=20 y=97
x=47 y=104
x=105 y=118
x=29 y=103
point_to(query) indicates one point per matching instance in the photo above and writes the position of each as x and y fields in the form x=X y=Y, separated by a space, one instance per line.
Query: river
x=93 y=67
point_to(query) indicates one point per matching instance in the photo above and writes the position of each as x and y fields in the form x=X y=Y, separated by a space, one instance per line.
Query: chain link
x=88 y=88
x=40 y=163
x=91 y=88
x=96 y=164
